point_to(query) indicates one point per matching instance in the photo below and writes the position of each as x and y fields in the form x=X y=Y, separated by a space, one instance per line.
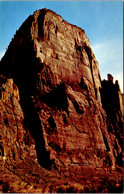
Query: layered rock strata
x=57 y=98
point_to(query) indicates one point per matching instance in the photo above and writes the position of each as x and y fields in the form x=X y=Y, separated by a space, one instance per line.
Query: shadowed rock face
x=68 y=119
x=111 y=98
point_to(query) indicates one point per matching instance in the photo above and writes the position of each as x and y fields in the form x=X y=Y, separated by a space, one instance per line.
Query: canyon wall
x=54 y=106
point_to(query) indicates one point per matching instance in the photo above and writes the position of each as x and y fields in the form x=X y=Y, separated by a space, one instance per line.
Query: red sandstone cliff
x=54 y=107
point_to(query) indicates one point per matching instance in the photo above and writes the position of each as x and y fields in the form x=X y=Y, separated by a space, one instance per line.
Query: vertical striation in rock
x=14 y=144
x=54 y=96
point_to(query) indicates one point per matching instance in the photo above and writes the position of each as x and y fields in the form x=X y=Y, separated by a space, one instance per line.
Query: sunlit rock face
x=14 y=141
x=60 y=112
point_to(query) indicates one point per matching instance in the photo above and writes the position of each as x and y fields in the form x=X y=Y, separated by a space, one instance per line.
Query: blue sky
x=101 y=20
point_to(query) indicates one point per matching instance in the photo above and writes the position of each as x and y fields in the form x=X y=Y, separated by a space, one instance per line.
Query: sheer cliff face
x=15 y=143
x=57 y=75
